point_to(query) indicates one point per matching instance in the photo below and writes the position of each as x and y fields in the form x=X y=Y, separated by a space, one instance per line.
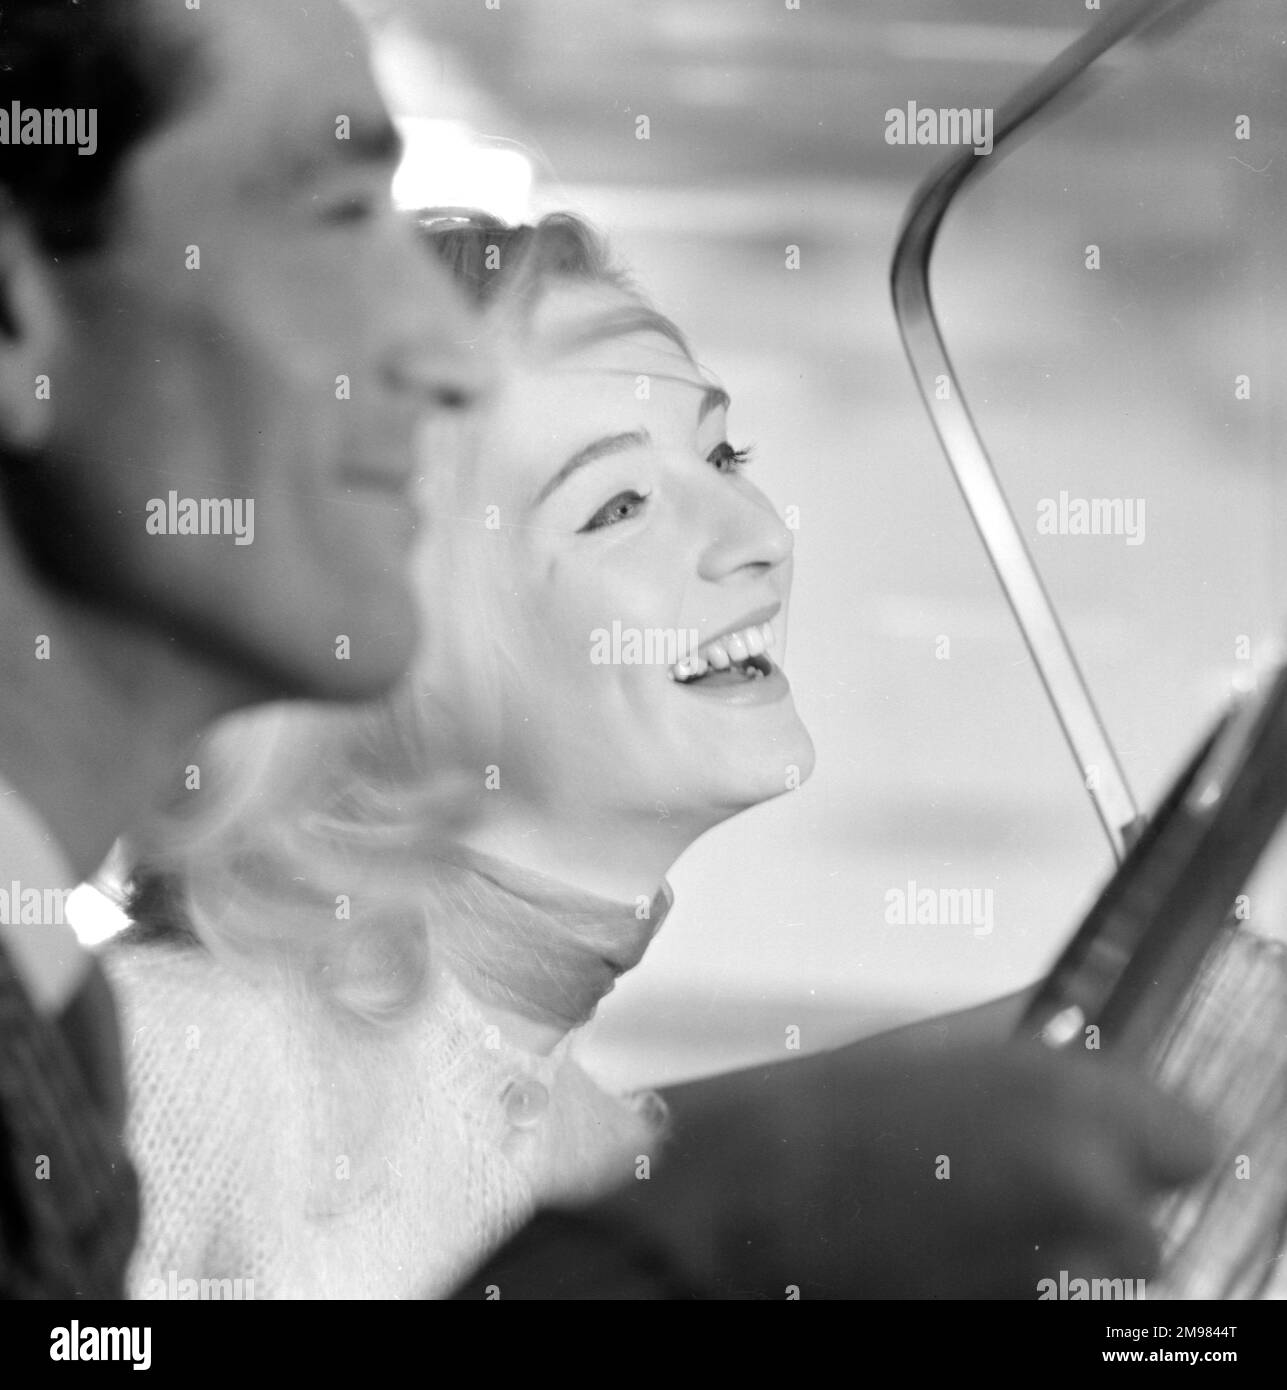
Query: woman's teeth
x=722 y=653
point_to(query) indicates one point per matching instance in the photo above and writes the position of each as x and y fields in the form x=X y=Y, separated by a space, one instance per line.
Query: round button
x=525 y=1102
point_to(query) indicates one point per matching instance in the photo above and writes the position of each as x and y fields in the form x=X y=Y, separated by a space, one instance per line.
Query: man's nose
x=443 y=375
x=436 y=350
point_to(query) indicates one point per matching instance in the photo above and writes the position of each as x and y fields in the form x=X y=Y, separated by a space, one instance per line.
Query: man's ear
x=29 y=331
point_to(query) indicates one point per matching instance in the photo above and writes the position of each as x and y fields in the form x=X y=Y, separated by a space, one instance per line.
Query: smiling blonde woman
x=364 y=942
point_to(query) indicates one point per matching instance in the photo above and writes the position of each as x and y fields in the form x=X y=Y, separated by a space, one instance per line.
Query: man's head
x=218 y=306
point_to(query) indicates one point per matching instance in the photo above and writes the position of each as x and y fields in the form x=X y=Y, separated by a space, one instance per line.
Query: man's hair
x=93 y=55
x=99 y=55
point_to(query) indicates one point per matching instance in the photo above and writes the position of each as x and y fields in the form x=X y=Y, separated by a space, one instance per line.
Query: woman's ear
x=29 y=326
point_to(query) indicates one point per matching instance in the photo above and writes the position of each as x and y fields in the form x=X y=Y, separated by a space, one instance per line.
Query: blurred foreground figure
x=194 y=520
x=176 y=304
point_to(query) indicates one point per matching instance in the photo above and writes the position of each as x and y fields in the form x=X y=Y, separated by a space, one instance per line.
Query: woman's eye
x=728 y=459
x=622 y=507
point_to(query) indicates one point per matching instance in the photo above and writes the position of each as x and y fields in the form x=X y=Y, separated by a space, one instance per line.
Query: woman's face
x=607 y=588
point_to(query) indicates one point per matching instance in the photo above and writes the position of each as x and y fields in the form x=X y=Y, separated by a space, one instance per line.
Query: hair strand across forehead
x=509 y=266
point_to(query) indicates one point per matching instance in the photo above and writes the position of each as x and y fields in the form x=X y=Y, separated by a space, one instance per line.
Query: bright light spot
x=1244 y=681
x=446 y=165
x=93 y=916
x=1064 y=1027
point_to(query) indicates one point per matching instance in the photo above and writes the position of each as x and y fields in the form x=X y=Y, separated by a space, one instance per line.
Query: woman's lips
x=742 y=689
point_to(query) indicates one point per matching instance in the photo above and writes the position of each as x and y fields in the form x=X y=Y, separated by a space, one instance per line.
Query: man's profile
x=220 y=303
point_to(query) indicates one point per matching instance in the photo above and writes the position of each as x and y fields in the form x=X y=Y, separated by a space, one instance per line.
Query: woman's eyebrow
x=600 y=448
x=714 y=398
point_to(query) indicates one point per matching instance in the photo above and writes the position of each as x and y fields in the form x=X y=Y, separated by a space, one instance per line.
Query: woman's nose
x=747 y=535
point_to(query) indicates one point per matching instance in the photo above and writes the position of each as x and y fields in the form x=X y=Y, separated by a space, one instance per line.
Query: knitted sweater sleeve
x=201 y=1051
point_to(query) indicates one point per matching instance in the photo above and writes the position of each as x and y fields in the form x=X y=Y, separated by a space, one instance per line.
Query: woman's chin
x=761 y=776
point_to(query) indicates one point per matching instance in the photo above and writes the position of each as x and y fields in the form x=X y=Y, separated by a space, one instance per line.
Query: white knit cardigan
x=299 y=1155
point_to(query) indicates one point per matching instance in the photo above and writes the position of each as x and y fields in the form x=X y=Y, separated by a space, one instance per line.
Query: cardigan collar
x=531 y=943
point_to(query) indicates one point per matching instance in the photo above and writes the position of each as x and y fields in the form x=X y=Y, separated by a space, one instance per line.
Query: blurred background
x=766 y=127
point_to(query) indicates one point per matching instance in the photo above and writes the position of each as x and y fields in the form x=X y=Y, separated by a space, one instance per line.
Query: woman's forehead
x=599 y=329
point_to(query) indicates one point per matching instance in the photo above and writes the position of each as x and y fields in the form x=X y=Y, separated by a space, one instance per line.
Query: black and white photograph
x=644 y=659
